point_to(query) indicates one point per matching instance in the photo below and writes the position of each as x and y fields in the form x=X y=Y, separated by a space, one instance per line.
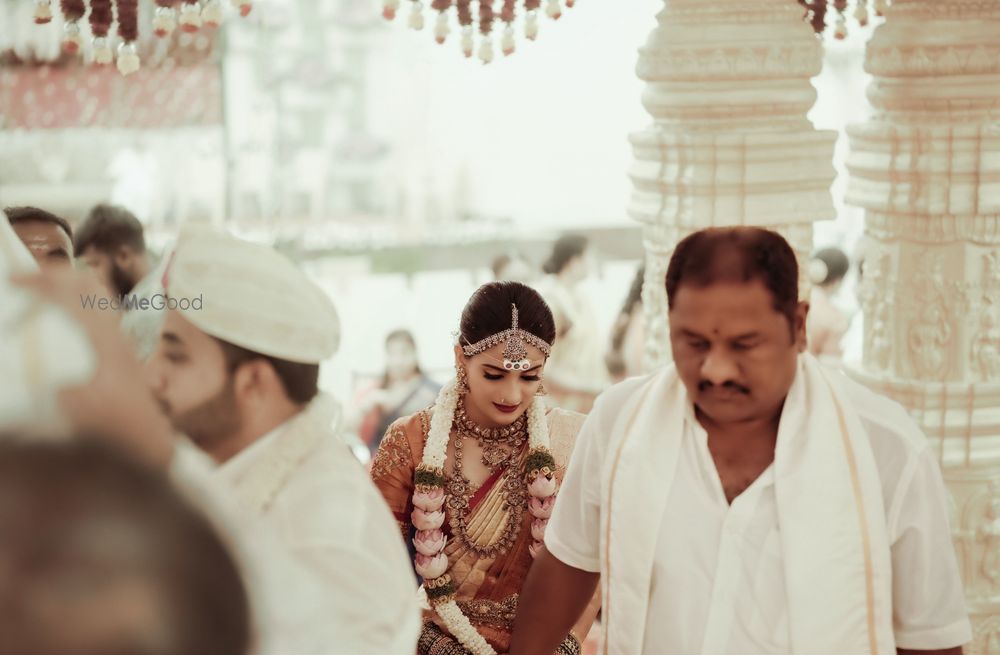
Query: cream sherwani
x=300 y=490
x=841 y=547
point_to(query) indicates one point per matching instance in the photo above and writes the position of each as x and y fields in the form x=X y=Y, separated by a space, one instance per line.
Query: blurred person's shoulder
x=884 y=418
x=610 y=403
x=598 y=428
x=901 y=451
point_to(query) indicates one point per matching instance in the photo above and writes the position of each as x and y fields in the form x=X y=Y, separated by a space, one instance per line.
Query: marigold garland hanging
x=486 y=21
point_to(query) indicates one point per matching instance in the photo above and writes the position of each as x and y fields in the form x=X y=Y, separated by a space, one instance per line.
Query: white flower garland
x=428 y=515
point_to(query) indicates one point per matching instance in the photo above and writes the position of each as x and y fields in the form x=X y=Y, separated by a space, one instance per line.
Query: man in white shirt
x=747 y=500
x=320 y=551
x=236 y=371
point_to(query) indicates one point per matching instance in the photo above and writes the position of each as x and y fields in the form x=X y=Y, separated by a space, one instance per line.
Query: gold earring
x=542 y=391
x=462 y=378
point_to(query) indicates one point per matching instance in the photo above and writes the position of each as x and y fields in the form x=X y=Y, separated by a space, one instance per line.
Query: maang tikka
x=515 y=352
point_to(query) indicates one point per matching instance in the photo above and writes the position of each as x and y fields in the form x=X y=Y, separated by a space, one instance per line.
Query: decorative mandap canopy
x=487 y=17
x=124 y=14
x=490 y=16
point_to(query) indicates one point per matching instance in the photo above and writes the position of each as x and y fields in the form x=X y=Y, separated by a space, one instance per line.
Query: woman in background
x=402 y=390
x=576 y=369
x=827 y=324
x=625 y=356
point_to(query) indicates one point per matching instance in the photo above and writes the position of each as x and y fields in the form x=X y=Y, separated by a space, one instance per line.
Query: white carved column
x=926 y=169
x=728 y=89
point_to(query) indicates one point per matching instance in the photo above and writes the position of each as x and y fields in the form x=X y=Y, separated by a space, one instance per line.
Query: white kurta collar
x=258 y=472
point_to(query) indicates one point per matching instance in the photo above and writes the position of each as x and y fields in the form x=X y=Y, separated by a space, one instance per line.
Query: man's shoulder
x=889 y=424
x=609 y=405
x=331 y=494
x=613 y=400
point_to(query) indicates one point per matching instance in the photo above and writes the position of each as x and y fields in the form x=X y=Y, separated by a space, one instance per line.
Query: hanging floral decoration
x=491 y=17
x=43 y=12
x=164 y=18
x=816 y=13
x=101 y=18
x=73 y=11
x=190 y=19
x=193 y=15
x=128 y=30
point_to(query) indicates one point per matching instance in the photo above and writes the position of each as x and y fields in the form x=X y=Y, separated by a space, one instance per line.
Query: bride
x=472 y=480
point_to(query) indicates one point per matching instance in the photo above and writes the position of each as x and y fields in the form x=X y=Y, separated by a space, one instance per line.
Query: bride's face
x=498 y=396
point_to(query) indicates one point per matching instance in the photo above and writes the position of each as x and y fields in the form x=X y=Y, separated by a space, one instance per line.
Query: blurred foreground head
x=100 y=556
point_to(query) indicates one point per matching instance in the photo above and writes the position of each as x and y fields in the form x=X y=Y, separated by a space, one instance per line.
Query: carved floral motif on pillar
x=926 y=169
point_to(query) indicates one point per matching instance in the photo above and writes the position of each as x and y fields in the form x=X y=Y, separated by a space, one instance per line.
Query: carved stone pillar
x=926 y=169
x=730 y=144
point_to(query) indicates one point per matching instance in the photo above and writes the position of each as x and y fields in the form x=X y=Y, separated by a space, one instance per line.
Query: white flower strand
x=462 y=629
x=435 y=451
x=436 y=447
x=538 y=427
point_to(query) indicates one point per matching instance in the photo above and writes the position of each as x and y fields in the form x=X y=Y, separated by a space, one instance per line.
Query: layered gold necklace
x=501 y=448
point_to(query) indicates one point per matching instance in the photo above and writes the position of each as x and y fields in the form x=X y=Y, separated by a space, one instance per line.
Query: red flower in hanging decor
x=73 y=11
x=128 y=19
x=486 y=21
x=441 y=28
x=190 y=19
x=389 y=8
x=165 y=18
x=195 y=14
x=211 y=14
x=128 y=29
x=509 y=11
x=101 y=17
x=43 y=12
x=485 y=17
x=244 y=6
x=816 y=12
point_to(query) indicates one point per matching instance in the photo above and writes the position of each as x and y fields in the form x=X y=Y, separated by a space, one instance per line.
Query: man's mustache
x=705 y=385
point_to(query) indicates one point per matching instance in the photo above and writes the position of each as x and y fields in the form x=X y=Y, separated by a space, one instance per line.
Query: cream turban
x=251 y=296
x=42 y=350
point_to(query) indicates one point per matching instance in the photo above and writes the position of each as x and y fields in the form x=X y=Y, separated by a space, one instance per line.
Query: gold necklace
x=459 y=491
x=493 y=441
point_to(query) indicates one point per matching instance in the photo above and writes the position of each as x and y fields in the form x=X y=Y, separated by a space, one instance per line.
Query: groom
x=747 y=500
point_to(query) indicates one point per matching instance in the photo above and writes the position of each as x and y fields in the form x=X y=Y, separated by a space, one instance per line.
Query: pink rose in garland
x=429 y=542
x=431 y=567
x=427 y=520
x=429 y=501
x=541 y=508
x=538 y=529
x=543 y=486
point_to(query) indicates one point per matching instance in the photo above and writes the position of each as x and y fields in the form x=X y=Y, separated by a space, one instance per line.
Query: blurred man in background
x=48 y=237
x=111 y=242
